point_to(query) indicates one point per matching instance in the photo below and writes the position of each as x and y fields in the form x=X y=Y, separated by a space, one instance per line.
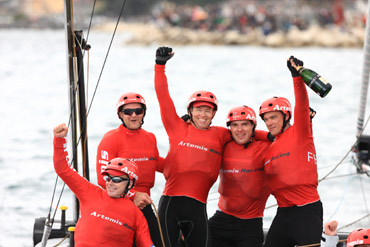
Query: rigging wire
x=341 y=199
x=349 y=151
x=341 y=176
x=106 y=56
x=354 y=222
x=96 y=87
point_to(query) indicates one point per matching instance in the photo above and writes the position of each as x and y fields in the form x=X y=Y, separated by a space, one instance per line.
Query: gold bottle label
x=323 y=80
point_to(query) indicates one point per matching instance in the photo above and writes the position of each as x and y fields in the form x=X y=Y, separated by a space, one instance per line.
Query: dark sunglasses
x=115 y=180
x=138 y=111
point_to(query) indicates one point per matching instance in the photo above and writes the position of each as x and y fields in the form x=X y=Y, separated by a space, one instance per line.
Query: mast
x=75 y=44
x=365 y=77
x=362 y=147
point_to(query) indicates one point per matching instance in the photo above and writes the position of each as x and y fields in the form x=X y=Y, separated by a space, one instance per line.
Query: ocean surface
x=34 y=99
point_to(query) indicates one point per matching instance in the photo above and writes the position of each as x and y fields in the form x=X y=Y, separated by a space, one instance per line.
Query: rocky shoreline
x=148 y=34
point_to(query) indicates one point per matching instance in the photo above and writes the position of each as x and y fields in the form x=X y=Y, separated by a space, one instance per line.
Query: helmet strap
x=285 y=123
x=128 y=187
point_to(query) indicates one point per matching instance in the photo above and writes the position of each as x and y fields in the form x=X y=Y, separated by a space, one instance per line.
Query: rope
x=342 y=240
x=61 y=241
x=159 y=224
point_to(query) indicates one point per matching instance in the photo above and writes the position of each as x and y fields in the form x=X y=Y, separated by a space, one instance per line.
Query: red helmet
x=360 y=236
x=241 y=113
x=128 y=98
x=203 y=96
x=120 y=166
x=276 y=104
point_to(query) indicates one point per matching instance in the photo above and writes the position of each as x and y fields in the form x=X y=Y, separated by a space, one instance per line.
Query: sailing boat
x=43 y=227
x=75 y=139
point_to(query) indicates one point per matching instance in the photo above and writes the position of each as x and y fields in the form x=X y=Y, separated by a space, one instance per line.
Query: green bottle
x=314 y=81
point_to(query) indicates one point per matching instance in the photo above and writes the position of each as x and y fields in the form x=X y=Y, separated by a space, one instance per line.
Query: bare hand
x=61 y=130
x=330 y=228
x=142 y=199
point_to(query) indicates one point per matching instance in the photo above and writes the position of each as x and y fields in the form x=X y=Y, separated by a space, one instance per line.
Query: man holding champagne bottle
x=291 y=168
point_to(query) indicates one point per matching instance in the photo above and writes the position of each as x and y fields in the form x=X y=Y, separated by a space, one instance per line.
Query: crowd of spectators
x=268 y=16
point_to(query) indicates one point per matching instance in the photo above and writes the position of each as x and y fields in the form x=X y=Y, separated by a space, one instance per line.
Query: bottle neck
x=299 y=68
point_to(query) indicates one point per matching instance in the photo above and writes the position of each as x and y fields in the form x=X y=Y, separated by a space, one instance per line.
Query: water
x=34 y=98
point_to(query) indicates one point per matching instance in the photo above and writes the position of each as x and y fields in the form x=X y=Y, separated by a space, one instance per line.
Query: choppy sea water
x=34 y=98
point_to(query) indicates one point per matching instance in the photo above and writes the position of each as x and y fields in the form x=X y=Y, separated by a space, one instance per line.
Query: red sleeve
x=260 y=135
x=160 y=164
x=142 y=235
x=170 y=119
x=224 y=135
x=301 y=110
x=107 y=150
x=78 y=184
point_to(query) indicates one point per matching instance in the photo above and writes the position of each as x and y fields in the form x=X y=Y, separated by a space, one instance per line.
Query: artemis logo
x=353 y=243
x=281 y=108
x=250 y=117
x=124 y=169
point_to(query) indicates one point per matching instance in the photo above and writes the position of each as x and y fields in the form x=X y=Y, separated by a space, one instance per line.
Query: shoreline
x=148 y=34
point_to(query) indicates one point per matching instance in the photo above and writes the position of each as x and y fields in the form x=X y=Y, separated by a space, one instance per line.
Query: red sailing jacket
x=137 y=145
x=290 y=162
x=243 y=188
x=194 y=158
x=104 y=221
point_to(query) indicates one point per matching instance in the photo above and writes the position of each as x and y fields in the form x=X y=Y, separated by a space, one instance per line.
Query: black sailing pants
x=297 y=225
x=184 y=216
x=230 y=231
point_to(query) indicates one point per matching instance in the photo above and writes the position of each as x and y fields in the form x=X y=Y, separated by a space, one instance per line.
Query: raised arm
x=169 y=116
x=78 y=184
x=329 y=237
x=301 y=108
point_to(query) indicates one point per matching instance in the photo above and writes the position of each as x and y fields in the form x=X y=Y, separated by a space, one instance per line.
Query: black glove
x=293 y=70
x=163 y=54
x=312 y=113
x=186 y=117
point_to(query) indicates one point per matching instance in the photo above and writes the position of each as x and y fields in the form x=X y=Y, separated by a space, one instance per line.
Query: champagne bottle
x=314 y=81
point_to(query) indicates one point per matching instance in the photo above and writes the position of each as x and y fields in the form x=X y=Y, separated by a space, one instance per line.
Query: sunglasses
x=115 y=180
x=138 y=111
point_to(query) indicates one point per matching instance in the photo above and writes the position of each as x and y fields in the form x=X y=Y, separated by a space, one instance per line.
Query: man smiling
x=243 y=189
x=131 y=141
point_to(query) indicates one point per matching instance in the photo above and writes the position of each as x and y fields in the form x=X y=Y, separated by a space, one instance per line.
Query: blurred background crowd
x=267 y=15
x=207 y=15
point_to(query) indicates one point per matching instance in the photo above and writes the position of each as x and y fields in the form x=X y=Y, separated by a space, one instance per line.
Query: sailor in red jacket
x=291 y=168
x=107 y=217
x=131 y=141
x=192 y=163
x=243 y=189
